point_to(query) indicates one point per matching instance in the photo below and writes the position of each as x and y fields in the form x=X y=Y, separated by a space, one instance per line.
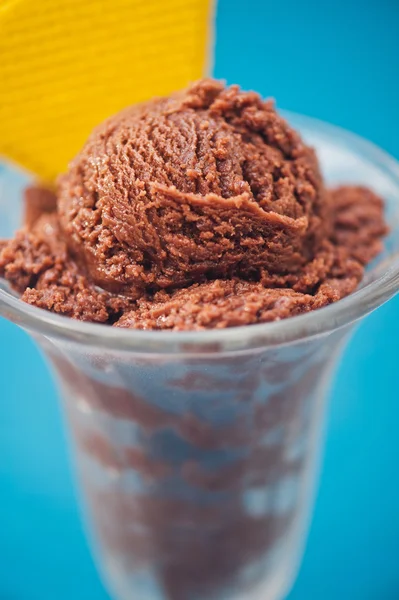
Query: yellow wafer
x=65 y=65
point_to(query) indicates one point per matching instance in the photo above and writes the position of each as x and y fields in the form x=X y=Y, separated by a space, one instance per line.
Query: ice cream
x=201 y=210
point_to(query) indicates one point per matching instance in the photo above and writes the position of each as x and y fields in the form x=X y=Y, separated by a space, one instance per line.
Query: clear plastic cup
x=197 y=452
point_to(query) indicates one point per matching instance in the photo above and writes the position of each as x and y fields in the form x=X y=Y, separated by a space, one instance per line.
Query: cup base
x=276 y=587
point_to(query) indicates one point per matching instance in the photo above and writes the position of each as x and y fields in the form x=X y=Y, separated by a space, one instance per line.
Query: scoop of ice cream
x=202 y=210
x=209 y=183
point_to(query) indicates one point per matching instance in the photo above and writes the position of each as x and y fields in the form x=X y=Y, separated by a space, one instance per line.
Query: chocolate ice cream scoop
x=208 y=183
x=197 y=211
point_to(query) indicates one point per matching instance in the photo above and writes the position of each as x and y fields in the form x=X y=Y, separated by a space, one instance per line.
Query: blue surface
x=329 y=60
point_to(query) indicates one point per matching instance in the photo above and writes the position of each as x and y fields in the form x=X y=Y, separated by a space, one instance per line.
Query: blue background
x=339 y=62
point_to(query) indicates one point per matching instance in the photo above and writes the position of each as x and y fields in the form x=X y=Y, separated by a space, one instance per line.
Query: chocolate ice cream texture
x=201 y=210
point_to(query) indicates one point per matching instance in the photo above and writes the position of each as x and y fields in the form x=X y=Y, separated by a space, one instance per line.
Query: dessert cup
x=197 y=452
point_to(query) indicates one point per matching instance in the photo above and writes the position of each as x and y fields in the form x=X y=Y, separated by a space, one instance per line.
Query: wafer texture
x=66 y=65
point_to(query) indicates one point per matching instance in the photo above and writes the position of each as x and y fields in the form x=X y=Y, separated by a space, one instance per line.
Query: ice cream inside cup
x=201 y=210
x=197 y=450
